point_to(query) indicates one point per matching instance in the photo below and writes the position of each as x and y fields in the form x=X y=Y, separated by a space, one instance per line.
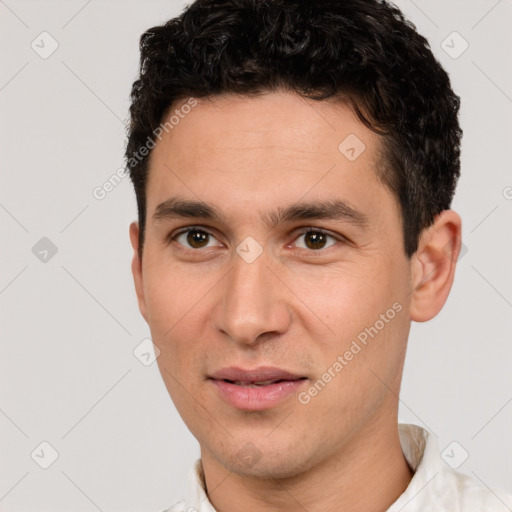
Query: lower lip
x=257 y=398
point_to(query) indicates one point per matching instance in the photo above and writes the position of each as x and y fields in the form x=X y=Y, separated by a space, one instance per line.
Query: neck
x=368 y=473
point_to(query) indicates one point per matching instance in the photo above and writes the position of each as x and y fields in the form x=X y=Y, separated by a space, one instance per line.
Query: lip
x=259 y=374
x=241 y=391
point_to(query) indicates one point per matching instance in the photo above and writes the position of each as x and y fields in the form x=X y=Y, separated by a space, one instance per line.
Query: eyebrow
x=334 y=209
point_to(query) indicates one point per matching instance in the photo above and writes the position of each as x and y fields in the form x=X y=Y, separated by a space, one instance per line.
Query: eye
x=196 y=238
x=316 y=239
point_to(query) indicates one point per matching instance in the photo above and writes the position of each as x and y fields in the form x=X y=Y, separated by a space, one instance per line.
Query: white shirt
x=435 y=486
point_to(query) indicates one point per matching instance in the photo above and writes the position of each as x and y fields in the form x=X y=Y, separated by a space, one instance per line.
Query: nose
x=252 y=302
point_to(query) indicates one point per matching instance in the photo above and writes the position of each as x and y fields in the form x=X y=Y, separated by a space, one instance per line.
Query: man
x=294 y=165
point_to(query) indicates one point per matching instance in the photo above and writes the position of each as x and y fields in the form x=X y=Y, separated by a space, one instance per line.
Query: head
x=294 y=165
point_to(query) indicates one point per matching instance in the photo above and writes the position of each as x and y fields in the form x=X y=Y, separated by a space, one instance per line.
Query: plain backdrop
x=69 y=377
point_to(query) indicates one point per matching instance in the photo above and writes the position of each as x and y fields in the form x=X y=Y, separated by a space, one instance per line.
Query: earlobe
x=137 y=269
x=433 y=266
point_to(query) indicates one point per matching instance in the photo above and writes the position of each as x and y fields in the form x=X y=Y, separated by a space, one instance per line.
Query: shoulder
x=475 y=495
x=436 y=486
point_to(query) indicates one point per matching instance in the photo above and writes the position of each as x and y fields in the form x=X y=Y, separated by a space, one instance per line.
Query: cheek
x=179 y=306
x=348 y=298
x=170 y=295
x=366 y=315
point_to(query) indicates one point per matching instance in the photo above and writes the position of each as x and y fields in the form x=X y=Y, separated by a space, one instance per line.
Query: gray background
x=70 y=322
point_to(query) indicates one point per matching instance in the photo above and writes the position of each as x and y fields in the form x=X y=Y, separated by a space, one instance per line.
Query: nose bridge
x=252 y=301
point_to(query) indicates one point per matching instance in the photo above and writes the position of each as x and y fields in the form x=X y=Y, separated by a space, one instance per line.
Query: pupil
x=196 y=238
x=317 y=239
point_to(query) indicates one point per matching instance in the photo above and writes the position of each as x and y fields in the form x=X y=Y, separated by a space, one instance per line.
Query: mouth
x=262 y=374
x=260 y=383
x=256 y=389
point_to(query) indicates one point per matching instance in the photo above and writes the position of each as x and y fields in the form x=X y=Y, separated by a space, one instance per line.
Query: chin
x=271 y=464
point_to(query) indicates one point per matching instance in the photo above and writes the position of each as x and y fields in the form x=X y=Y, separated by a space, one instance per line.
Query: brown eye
x=194 y=238
x=316 y=240
x=197 y=239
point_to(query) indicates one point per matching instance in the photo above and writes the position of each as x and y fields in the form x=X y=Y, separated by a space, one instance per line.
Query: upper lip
x=260 y=374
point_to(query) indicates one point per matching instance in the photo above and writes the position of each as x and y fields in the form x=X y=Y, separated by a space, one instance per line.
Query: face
x=280 y=307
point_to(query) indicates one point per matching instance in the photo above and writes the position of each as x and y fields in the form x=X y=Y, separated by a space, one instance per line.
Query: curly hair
x=361 y=52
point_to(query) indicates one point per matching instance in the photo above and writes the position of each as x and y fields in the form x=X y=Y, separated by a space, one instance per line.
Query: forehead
x=278 y=148
x=272 y=125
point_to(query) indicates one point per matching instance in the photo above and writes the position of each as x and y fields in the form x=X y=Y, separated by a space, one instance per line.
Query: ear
x=137 y=269
x=433 y=266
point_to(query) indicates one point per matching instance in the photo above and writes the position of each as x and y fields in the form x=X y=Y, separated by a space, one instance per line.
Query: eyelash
x=340 y=239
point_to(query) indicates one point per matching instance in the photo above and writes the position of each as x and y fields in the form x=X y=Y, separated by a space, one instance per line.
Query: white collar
x=435 y=486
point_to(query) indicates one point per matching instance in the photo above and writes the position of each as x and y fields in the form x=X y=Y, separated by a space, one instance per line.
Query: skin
x=294 y=307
